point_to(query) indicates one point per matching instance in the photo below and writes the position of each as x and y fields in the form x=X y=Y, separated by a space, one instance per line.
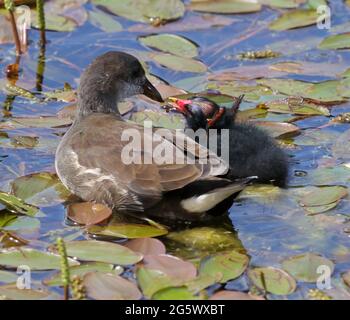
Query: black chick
x=252 y=151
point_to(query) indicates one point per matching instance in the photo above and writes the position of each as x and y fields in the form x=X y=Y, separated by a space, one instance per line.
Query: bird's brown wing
x=102 y=143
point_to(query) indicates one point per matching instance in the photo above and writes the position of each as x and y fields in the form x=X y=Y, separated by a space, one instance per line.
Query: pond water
x=269 y=224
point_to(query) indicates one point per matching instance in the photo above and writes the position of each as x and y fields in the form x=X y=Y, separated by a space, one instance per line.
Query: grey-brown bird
x=89 y=158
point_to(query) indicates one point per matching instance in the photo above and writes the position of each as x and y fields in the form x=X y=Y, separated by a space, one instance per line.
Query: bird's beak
x=151 y=92
x=180 y=105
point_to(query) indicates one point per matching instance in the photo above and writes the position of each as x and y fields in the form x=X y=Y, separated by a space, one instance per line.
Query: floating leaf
x=304 y=267
x=17 y=205
x=104 y=21
x=34 y=259
x=159 y=119
x=172 y=266
x=230 y=264
x=24 y=141
x=178 y=63
x=323 y=196
x=171 y=43
x=56 y=279
x=295 y=19
x=339 y=41
x=146 y=246
x=346 y=278
x=278 y=129
x=9 y=239
x=233 y=295
x=31 y=122
x=273 y=280
x=144 y=10
x=54 y=22
x=127 y=230
x=13 y=293
x=40 y=189
x=88 y=213
x=101 y=251
x=201 y=282
x=101 y=286
x=8 y=277
x=176 y=293
x=23 y=225
x=225 y=6
x=151 y=281
x=286 y=4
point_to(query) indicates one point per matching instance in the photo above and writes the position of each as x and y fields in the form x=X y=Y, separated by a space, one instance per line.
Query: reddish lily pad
x=88 y=213
x=146 y=246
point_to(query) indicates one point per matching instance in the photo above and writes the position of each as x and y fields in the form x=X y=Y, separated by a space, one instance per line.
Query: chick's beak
x=180 y=105
x=150 y=91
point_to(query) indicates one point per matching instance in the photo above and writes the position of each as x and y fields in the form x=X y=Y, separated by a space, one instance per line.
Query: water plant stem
x=64 y=267
x=9 y=6
x=41 y=20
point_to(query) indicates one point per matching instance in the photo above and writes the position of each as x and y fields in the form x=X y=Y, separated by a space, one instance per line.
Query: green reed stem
x=41 y=20
x=64 y=267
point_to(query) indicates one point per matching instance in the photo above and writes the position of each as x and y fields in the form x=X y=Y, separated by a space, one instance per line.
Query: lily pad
x=273 y=280
x=151 y=281
x=323 y=196
x=34 y=259
x=101 y=251
x=11 y=292
x=178 y=63
x=171 y=43
x=32 y=122
x=339 y=41
x=144 y=10
x=225 y=6
x=230 y=264
x=17 y=205
x=295 y=19
x=127 y=230
x=233 y=295
x=88 y=213
x=146 y=246
x=278 y=129
x=40 y=189
x=172 y=266
x=104 y=21
x=101 y=286
x=56 y=279
x=7 y=276
x=304 y=267
x=176 y=293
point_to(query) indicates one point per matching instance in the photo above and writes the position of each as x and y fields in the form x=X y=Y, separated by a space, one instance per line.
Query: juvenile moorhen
x=252 y=152
x=89 y=158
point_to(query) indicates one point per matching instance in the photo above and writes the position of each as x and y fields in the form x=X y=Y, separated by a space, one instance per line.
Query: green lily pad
x=278 y=129
x=127 y=230
x=23 y=224
x=144 y=10
x=233 y=295
x=8 y=277
x=295 y=19
x=304 y=267
x=177 y=293
x=13 y=293
x=286 y=4
x=101 y=251
x=54 y=22
x=178 y=63
x=34 y=259
x=17 y=205
x=101 y=286
x=230 y=264
x=201 y=282
x=32 y=122
x=320 y=209
x=224 y=6
x=323 y=196
x=56 y=279
x=297 y=107
x=273 y=280
x=338 y=41
x=6 y=217
x=40 y=189
x=171 y=43
x=104 y=21
x=162 y=120
x=150 y=281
